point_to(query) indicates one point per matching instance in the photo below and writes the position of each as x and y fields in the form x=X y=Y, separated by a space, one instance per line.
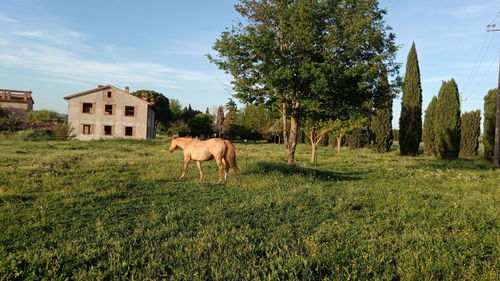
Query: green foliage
x=114 y=210
x=63 y=131
x=9 y=122
x=31 y=135
x=200 y=125
x=447 y=121
x=381 y=124
x=410 y=122
x=428 y=134
x=178 y=128
x=189 y=113
x=358 y=138
x=469 y=133
x=161 y=105
x=489 y=123
x=175 y=109
x=43 y=116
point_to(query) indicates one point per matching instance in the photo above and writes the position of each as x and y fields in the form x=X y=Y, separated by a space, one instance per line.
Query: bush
x=178 y=128
x=42 y=116
x=470 y=131
x=358 y=138
x=9 y=122
x=63 y=131
x=32 y=135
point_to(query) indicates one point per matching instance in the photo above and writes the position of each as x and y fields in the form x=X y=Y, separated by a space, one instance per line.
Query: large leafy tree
x=303 y=55
x=161 y=105
x=447 y=121
x=410 y=122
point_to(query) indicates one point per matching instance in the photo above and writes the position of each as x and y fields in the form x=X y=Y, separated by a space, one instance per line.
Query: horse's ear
x=174 y=137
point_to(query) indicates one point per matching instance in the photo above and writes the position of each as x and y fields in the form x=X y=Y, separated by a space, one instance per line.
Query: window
x=87 y=129
x=108 y=109
x=87 y=107
x=129 y=110
x=108 y=130
x=109 y=94
x=129 y=131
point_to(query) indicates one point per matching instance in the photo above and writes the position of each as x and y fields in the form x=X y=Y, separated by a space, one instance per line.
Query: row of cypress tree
x=446 y=133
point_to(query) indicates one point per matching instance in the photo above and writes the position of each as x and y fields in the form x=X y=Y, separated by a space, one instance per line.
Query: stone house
x=16 y=102
x=108 y=112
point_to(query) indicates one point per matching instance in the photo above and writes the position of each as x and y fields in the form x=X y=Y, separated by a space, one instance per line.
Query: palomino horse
x=194 y=149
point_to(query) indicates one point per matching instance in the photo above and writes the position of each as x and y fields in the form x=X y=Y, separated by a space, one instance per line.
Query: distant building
x=16 y=102
x=108 y=112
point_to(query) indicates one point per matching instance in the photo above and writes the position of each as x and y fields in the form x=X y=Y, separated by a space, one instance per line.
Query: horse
x=221 y=150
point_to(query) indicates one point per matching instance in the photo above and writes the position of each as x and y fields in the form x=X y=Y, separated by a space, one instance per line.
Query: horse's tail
x=231 y=155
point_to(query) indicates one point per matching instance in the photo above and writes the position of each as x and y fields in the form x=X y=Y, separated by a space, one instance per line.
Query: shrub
x=358 y=138
x=63 y=131
x=178 y=128
x=32 y=135
x=489 y=123
x=42 y=116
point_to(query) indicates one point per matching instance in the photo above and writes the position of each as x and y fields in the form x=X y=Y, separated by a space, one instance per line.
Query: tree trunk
x=291 y=143
x=339 y=140
x=313 y=140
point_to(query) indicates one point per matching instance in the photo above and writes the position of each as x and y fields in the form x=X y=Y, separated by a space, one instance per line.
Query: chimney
x=144 y=96
x=100 y=86
x=126 y=89
x=8 y=95
x=2 y=94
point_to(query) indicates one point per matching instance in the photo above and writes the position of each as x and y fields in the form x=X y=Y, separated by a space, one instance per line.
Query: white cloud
x=7 y=19
x=471 y=10
x=62 y=55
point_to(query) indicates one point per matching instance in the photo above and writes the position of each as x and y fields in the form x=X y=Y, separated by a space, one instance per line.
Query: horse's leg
x=219 y=164
x=198 y=165
x=184 y=168
x=226 y=166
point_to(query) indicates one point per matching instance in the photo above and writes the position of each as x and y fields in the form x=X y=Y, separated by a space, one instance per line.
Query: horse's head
x=173 y=145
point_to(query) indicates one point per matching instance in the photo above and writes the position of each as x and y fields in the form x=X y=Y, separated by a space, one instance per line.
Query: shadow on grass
x=455 y=164
x=288 y=170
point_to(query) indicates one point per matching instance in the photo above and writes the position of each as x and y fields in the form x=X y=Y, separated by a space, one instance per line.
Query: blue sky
x=56 y=47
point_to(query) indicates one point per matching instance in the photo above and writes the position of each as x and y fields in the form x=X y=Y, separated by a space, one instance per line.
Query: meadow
x=113 y=210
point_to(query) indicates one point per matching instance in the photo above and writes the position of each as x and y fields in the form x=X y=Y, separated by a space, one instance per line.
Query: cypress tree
x=447 y=126
x=410 y=122
x=489 y=123
x=469 y=133
x=381 y=125
x=428 y=134
x=358 y=138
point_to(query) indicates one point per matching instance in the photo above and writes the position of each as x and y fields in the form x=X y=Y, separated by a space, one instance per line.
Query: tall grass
x=113 y=210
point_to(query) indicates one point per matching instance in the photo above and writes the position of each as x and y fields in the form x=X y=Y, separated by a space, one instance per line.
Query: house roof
x=16 y=96
x=100 y=88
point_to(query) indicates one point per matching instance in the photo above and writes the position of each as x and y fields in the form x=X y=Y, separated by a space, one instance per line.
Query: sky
x=56 y=47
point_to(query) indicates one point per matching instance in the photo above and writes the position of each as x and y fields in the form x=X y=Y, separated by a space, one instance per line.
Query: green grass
x=109 y=210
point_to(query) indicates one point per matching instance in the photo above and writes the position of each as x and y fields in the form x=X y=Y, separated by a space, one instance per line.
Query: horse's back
x=207 y=149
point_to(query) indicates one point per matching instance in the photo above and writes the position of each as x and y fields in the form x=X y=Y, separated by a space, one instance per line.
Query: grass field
x=109 y=210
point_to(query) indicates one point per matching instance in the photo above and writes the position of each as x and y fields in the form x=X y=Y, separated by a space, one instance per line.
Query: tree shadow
x=453 y=164
x=294 y=170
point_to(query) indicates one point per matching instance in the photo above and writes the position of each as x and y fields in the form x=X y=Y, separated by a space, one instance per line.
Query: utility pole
x=496 y=157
